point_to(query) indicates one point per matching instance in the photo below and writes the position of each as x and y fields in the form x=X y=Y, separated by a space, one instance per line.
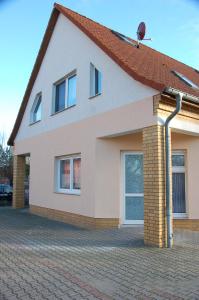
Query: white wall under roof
x=71 y=49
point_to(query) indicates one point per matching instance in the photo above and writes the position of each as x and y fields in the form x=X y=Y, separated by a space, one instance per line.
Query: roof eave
x=186 y=96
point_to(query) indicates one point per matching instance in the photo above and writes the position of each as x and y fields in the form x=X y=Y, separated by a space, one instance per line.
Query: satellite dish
x=141 y=31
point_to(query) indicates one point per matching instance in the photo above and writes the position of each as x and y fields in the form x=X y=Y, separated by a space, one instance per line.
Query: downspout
x=179 y=96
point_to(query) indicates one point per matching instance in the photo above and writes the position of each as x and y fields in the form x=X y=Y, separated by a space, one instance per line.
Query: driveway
x=43 y=259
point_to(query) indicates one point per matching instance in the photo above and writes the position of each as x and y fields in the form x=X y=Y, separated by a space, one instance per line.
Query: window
x=186 y=80
x=124 y=38
x=95 y=81
x=35 y=114
x=179 y=184
x=65 y=93
x=68 y=175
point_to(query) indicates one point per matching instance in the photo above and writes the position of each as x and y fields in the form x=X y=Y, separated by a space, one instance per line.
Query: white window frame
x=180 y=169
x=32 y=112
x=58 y=163
x=63 y=79
x=92 y=81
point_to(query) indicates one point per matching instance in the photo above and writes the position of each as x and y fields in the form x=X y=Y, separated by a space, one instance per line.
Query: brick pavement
x=43 y=259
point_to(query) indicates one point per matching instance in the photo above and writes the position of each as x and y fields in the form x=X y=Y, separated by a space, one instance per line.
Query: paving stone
x=43 y=259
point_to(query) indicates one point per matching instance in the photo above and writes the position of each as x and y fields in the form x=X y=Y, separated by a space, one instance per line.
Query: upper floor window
x=95 y=81
x=35 y=114
x=65 y=93
x=60 y=96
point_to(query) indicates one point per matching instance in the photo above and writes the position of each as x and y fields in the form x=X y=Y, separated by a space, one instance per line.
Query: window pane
x=76 y=173
x=185 y=79
x=37 y=111
x=60 y=97
x=65 y=174
x=97 y=82
x=177 y=160
x=179 y=193
x=134 y=174
x=134 y=208
x=72 y=90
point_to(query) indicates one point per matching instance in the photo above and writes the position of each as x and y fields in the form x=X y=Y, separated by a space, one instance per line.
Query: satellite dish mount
x=141 y=31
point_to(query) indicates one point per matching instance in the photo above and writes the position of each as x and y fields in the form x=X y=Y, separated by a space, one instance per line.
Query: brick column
x=154 y=186
x=18 y=181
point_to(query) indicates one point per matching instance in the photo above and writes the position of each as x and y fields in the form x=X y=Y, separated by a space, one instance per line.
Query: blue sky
x=172 y=24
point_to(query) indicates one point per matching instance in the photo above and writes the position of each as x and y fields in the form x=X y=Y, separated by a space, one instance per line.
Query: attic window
x=35 y=114
x=186 y=80
x=123 y=37
x=95 y=81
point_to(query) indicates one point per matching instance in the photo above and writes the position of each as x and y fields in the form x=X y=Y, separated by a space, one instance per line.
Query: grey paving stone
x=42 y=259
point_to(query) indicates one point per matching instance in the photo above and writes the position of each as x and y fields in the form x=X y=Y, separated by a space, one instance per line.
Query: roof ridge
x=73 y=11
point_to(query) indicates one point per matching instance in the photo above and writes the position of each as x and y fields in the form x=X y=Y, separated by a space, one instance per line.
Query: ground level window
x=69 y=174
x=179 y=184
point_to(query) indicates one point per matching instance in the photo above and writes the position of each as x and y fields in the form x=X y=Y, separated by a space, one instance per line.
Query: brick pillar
x=154 y=186
x=18 y=181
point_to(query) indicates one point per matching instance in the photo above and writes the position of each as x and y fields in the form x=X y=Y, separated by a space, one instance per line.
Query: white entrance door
x=133 y=188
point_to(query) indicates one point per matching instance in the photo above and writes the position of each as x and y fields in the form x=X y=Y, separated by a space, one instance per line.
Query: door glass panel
x=179 y=193
x=134 y=208
x=134 y=174
x=178 y=160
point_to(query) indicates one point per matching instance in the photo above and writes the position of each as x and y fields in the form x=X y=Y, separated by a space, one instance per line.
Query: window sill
x=33 y=123
x=66 y=108
x=68 y=193
x=91 y=97
x=180 y=216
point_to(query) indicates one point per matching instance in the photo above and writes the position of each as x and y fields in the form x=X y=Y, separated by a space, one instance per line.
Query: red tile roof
x=144 y=64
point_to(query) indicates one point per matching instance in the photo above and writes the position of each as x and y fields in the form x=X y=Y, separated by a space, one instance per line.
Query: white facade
x=99 y=130
x=70 y=49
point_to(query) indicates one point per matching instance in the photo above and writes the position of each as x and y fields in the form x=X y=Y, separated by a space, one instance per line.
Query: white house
x=92 y=121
